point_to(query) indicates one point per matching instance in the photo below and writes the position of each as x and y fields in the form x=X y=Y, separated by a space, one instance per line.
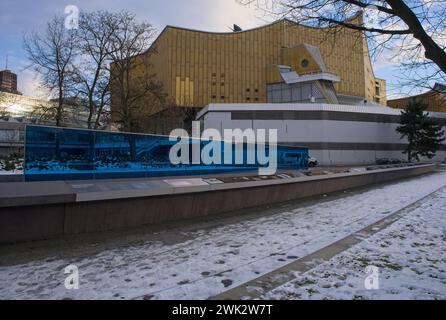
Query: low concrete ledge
x=36 y=211
x=172 y=188
x=122 y=194
x=14 y=194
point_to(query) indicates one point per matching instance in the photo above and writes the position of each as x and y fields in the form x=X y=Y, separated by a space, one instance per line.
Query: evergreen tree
x=423 y=133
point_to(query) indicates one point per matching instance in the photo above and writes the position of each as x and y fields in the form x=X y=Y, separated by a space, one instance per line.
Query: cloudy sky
x=23 y=16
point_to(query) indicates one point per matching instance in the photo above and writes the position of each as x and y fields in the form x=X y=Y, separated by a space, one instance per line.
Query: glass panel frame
x=76 y=154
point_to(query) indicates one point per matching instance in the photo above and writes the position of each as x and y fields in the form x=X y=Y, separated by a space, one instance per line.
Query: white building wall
x=311 y=132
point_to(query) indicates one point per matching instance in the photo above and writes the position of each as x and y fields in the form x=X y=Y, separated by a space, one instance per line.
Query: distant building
x=8 y=82
x=17 y=110
x=12 y=137
x=20 y=106
x=435 y=99
x=32 y=109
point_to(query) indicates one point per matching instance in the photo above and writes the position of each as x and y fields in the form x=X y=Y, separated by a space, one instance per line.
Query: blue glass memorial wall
x=74 y=154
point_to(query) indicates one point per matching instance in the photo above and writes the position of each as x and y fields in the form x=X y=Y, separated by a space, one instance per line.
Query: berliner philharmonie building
x=198 y=68
x=293 y=75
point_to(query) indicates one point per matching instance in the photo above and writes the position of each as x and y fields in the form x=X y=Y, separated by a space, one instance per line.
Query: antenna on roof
x=6 y=63
x=236 y=28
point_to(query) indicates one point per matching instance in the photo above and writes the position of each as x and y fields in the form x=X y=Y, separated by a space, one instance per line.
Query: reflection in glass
x=73 y=154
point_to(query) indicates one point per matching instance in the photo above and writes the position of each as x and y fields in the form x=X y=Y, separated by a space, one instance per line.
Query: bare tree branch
x=408 y=33
x=135 y=93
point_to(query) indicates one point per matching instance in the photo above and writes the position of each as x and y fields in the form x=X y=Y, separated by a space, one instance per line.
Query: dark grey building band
x=319 y=115
x=351 y=146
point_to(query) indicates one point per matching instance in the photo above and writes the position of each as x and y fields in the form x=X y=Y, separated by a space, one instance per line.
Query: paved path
x=256 y=288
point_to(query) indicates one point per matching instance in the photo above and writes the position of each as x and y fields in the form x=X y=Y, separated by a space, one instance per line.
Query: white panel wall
x=335 y=131
x=273 y=124
x=324 y=131
x=309 y=131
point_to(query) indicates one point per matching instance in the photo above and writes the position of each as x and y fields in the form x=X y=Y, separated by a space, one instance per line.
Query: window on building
x=296 y=93
x=300 y=92
x=277 y=96
x=286 y=95
x=306 y=92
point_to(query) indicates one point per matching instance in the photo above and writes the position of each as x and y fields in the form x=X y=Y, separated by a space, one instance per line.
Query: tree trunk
x=59 y=111
x=98 y=117
x=90 y=113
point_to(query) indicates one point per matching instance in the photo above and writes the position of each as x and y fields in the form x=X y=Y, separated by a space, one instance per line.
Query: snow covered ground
x=410 y=256
x=208 y=261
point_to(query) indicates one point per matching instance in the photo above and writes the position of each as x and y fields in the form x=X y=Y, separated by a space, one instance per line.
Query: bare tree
x=78 y=67
x=134 y=88
x=51 y=55
x=412 y=33
x=94 y=36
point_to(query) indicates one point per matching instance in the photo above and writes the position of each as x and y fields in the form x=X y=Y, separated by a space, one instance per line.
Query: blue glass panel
x=73 y=154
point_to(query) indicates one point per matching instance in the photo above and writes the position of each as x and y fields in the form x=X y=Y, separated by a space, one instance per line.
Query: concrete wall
x=36 y=216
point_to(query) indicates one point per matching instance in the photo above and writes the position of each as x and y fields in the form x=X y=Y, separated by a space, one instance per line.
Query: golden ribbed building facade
x=435 y=100
x=199 y=68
